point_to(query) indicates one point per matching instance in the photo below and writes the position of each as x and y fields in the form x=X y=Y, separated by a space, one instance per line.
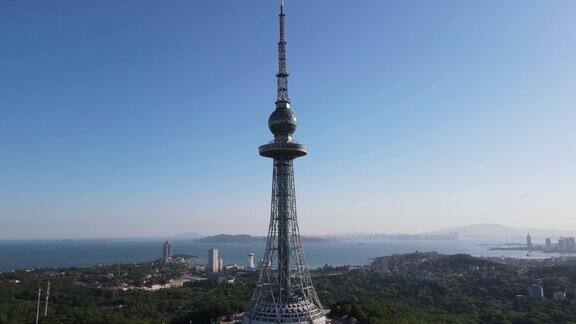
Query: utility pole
x=47 y=296
x=38 y=306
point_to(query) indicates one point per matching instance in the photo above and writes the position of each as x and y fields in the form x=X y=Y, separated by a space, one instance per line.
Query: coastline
x=81 y=253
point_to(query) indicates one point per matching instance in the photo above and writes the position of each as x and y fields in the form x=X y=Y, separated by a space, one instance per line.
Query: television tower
x=284 y=292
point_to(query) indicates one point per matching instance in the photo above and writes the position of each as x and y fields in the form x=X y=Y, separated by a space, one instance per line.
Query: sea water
x=20 y=254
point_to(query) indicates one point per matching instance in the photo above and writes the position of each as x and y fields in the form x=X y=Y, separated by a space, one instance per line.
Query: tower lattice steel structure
x=284 y=293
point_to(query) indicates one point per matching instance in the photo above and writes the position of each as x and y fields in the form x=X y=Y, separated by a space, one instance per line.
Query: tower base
x=301 y=312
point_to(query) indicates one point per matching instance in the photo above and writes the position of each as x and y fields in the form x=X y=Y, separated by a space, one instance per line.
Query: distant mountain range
x=470 y=231
x=497 y=230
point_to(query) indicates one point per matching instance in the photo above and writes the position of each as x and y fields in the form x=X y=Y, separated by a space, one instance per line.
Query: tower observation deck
x=284 y=293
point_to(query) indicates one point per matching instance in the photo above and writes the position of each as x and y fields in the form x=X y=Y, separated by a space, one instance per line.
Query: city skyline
x=459 y=113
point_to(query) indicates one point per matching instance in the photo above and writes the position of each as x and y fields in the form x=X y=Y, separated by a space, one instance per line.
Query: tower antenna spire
x=282 y=100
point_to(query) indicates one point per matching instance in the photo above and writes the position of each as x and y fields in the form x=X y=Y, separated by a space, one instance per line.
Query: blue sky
x=143 y=118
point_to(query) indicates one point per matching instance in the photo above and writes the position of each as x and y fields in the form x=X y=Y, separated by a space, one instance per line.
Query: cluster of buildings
x=216 y=264
x=215 y=261
x=445 y=269
x=536 y=291
x=564 y=244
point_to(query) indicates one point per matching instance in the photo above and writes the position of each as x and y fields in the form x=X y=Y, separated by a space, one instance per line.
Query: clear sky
x=143 y=118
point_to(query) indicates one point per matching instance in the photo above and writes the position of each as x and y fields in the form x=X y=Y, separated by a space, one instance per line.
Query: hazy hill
x=187 y=236
x=243 y=238
x=497 y=230
x=225 y=238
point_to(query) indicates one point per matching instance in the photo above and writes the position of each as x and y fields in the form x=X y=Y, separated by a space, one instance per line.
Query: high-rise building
x=167 y=251
x=562 y=244
x=535 y=291
x=213 y=261
x=570 y=244
x=220 y=264
x=250 y=261
x=284 y=292
x=548 y=244
x=529 y=245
